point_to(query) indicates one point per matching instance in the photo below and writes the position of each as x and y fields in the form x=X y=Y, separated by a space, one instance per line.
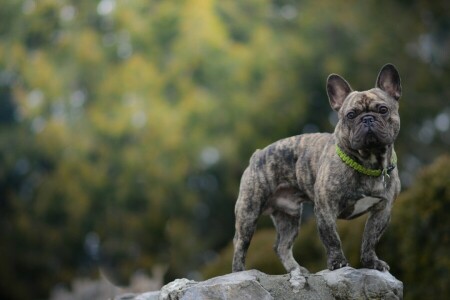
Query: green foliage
x=125 y=125
x=419 y=241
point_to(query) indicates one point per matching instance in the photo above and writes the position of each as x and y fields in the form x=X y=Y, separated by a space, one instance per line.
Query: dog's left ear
x=338 y=90
x=389 y=81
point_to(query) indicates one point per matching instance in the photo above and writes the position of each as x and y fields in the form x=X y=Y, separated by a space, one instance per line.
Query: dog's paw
x=376 y=264
x=298 y=280
x=334 y=264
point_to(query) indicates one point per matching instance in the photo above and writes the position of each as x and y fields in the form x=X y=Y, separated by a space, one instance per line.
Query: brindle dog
x=344 y=174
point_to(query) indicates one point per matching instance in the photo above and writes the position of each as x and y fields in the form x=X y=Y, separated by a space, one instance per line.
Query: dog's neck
x=375 y=158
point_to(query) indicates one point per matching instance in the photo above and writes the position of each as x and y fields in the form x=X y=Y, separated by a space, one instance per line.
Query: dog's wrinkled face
x=368 y=120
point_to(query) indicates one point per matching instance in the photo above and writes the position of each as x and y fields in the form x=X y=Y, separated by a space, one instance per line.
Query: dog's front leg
x=326 y=223
x=374 y=229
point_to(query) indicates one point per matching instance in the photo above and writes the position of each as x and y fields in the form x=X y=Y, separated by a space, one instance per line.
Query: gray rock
x=145 y=296
x=242 y=285
x=345 y=283
x=176 y=289
x=349 y=283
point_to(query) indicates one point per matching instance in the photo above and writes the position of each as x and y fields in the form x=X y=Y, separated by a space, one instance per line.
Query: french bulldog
x=345 y=174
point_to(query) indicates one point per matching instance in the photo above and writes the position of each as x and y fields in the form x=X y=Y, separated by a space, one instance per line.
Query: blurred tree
x=420 y=234
x=125 y=125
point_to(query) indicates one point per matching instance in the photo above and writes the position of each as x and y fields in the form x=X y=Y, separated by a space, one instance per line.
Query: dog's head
x=368 y=120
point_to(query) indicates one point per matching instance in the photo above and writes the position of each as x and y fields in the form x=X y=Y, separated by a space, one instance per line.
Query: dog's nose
x=368 y=120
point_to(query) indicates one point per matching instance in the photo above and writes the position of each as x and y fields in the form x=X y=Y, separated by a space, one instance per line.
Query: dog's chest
x=363 y=204
x=359 y=207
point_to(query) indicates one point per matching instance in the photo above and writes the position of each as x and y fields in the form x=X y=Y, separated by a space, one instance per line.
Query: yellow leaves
x=87 y=49
x=200 y=31
x=241 y=59
x=41 y=73
x=112 y=120
x=12 y=55
x=200 y=25
x=41 y=84
x=133 y=16
x=139 y=74
x=53 y=137
x=136 y=75
x=126 y=95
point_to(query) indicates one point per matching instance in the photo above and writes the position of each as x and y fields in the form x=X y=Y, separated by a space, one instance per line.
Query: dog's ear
x=337 y=89
x=389 y=81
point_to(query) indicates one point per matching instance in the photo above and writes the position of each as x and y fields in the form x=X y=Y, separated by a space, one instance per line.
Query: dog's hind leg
x=287 y=230
x=248 y=209
x=244 y=233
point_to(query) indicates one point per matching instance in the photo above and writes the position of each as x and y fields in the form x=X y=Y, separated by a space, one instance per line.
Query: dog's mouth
x=370 y=137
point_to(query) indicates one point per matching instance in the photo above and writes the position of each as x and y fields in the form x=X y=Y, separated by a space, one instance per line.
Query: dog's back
x=290 y=163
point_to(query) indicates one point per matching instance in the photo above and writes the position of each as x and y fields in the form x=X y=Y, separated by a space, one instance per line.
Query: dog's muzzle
x=369 y=133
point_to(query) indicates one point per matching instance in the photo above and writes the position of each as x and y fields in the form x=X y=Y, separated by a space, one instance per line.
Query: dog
x=345 y=174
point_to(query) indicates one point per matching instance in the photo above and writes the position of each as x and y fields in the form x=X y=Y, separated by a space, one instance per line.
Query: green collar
x=361 y=169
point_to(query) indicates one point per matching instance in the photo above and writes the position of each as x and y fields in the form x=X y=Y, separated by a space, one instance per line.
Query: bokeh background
x=125 y=127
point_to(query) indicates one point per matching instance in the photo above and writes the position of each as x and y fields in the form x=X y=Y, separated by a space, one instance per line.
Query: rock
x=176 y=289
x=345 y=283
x=349 y=283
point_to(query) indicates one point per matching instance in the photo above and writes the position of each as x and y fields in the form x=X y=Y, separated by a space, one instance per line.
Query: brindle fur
x=306 y=167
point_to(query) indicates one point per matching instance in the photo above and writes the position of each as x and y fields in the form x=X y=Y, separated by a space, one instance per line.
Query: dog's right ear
x=337 y=89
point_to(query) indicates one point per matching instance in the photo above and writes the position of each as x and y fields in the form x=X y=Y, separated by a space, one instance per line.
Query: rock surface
x=345 y=283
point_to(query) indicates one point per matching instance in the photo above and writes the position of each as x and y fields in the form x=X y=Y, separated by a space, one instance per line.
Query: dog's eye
x=351 y=115
x=383 y=110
